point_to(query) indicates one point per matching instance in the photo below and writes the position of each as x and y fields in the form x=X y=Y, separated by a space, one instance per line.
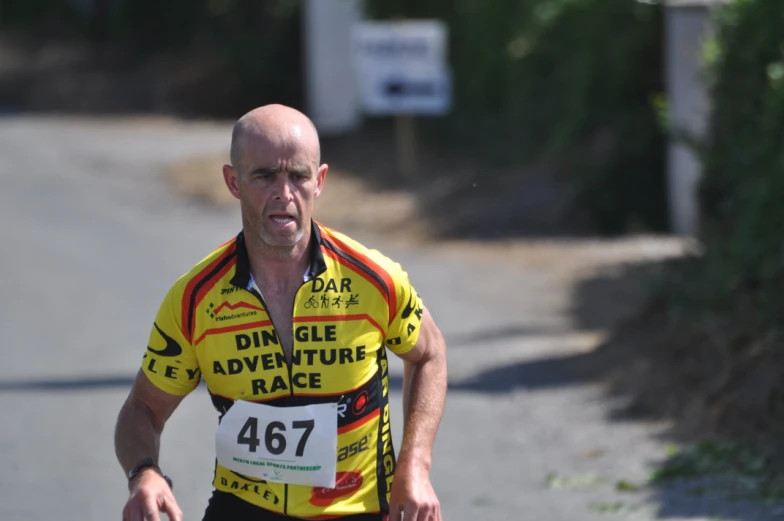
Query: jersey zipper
x=288 y=365
x=291 y=382
x=255 y=292
x=280 y=342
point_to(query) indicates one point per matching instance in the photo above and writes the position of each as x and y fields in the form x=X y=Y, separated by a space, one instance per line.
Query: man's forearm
x=136 y=436
x=424 y=396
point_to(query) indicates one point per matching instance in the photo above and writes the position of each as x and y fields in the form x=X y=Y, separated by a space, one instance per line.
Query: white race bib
x=295 y=445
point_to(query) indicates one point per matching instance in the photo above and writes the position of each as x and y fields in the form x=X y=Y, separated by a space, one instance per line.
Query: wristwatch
x=145 y=463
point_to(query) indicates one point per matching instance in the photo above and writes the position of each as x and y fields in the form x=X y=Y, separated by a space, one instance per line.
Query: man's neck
x=278 y=268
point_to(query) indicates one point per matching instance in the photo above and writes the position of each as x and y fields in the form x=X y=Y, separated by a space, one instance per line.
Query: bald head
x=278 y=126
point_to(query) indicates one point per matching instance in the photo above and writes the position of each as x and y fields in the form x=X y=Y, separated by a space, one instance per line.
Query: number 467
x=274 y=440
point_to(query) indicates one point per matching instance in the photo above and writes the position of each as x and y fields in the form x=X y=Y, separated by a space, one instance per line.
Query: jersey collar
x=244 y=279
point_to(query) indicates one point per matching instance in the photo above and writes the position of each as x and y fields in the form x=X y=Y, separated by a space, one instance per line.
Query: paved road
x=92 y=237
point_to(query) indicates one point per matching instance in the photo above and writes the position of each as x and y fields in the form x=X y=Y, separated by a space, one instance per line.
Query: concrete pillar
x=686 y=25
x=330 y=87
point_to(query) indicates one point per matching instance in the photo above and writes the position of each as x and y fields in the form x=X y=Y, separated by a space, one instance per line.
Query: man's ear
x=230 y=176
x=321 y=176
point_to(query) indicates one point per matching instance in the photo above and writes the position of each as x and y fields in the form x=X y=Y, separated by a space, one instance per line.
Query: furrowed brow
x=300 y=170
x=266 y=170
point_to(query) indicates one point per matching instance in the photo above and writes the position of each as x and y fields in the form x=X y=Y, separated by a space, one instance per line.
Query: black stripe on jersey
x=352 y=405
x=202 y=282
x=222 y=404
x=358 y=403
x=359 y=264
x=381 y=480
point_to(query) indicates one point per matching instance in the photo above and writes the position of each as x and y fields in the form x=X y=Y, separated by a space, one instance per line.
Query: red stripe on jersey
x=359 y=423
x=236 y=306
x=370 y=263
x=200 y=280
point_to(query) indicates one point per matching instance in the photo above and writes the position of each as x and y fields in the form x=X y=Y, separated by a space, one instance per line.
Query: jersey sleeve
x=170 y=361
x=404 y=328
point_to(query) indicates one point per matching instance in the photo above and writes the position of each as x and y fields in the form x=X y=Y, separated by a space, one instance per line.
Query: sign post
x=401 y=70
x=405 y=139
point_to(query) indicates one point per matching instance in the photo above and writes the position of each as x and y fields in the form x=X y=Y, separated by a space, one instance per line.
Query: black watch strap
x=148 y=463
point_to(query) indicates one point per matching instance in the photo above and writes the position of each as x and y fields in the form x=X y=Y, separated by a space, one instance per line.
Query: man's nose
x=283 y=188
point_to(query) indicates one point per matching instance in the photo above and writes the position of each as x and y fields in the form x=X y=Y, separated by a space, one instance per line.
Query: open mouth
x=282 y=219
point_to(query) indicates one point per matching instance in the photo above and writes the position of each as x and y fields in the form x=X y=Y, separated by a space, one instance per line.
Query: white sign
x=401 y=67
x=295 y=445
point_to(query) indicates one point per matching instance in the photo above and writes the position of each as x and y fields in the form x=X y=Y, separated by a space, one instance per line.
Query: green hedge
x=574 y=83
x=54 y=18
x=742 y=191
x=258 y=43
x=234 y=54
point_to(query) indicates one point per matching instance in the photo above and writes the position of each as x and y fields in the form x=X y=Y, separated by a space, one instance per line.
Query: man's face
x=277 y=187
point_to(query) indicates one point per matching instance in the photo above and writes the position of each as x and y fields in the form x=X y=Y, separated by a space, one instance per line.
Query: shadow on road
x=535 y=374
x=67 y=384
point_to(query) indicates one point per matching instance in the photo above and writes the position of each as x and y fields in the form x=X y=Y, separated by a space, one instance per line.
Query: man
x=288 y=324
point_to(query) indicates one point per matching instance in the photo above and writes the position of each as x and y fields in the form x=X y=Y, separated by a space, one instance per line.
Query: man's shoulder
x=335 y=239
x=217 y=262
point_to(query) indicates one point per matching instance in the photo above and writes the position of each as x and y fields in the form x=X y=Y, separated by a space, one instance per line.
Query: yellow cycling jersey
x=353 y=304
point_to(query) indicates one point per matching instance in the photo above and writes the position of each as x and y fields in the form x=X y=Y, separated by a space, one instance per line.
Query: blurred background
x=586 y=191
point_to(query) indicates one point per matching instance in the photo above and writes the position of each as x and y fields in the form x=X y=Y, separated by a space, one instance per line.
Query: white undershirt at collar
x=252 y=282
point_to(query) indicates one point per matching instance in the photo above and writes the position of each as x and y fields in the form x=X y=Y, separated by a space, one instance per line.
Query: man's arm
x=424 y=396
x=137 y=436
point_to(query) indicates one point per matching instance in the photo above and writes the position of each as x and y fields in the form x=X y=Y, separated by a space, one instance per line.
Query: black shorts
x=224 y=506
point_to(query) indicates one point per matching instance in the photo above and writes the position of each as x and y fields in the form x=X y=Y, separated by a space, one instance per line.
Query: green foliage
x=743 y=183
x=615 y=507
x=225 y=56
x=624 y=485
x=258 y=43
x=46 y=15
x=712 y=457
x=572 y=82
x=583 y=482
x=723 y=468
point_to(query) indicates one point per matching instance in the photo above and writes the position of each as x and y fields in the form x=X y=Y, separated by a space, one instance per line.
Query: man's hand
x=412 y=497
x=150 y=494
